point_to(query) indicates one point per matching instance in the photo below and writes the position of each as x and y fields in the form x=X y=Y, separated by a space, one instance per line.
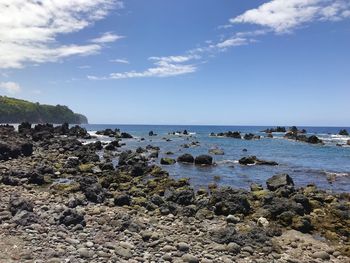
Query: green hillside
x=16 y=111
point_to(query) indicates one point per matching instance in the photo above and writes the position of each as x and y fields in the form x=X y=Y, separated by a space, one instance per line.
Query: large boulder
x=228 y=201
x=278 y=181
x=122 y=199
x=15 y=148
x=203 y=160
x=71 y=217
x=24 y=128
x=181 y=197
x=314 y=139
x=344 y=132
x=18 y=204
x=185 y=158
x=125 y=135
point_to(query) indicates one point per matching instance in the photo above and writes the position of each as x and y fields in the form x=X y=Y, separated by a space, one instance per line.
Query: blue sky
x=278 y=62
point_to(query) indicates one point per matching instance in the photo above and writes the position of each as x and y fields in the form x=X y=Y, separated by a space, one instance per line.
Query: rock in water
x=216 y=151
x=314 y=140
x=203 y=160
x=251 y=160
x=278 y=181
x=343 y=132
x=185 y=158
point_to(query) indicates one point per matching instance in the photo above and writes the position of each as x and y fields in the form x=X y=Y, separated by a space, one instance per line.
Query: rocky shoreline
x=60 y=202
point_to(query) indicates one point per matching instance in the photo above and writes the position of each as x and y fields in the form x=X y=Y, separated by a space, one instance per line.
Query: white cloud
x=163 y=67
x=107 y=37
x=232 y=42
x=10 y=87
x=175 y=59
x=119 y=60
x=29 y=29
x=285 y=15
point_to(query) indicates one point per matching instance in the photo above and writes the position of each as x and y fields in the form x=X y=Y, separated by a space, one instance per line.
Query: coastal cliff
x=16 y=111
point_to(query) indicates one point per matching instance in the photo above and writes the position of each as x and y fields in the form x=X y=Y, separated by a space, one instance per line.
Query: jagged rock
x=71 y=217
x=25 y=218
x=278 y=181
x=18 y=204
x=227 y=201
x=181 y=197
x=14 y=148
x=343 y=132
x=122 y=199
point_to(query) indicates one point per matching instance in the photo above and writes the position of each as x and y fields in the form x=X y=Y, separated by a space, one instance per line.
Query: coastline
x=60 y=201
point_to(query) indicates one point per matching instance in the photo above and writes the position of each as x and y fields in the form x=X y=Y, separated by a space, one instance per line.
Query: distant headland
x=16 y=111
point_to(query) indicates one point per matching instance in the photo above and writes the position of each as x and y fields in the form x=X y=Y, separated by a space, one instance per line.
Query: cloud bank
x=29 y=29
x=285 y=15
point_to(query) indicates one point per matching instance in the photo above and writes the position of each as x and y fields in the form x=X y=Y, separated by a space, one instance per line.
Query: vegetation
x=16 y=111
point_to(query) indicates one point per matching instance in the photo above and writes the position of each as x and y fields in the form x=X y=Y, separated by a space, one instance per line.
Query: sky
x=277 y=62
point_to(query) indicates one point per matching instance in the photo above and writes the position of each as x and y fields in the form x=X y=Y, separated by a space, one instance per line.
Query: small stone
x=190 y=258
x=248 y=249
x=168 y=248
x=262 y=221
x=294 y=245
x=72 y=241
x=182 y=246
x=84 y=253
x=167 y=257
x=89 y=244
x=233 y=248
x=232 y=219
x=321 y=254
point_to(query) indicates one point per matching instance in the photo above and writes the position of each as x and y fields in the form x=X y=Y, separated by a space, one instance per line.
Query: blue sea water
x=305 y=163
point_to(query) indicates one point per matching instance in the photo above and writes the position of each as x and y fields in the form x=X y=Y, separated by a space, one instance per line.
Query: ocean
x=305 y=163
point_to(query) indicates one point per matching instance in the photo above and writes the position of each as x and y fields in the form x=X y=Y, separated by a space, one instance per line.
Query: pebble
x=321 y=254
x=190 y=258
x=182 y=246
x=85 y=253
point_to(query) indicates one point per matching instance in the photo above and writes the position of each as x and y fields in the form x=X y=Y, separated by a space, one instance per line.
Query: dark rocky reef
x=97 y=210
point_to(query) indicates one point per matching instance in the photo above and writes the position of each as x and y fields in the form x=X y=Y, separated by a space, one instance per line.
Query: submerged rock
x=216 y=151
x=167 y=161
